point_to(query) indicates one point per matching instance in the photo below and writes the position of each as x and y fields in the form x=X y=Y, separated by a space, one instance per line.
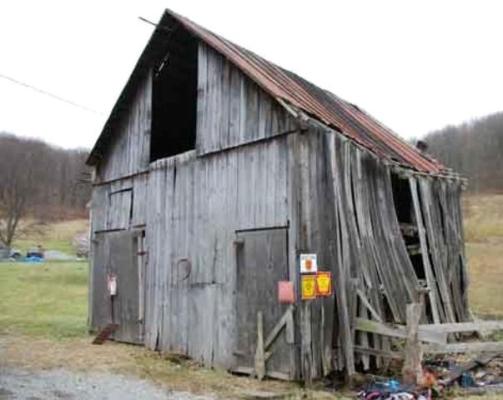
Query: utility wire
x=45 y=92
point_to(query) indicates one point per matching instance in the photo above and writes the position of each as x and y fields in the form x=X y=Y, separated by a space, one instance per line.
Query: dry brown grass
x=483 y=217
x=80 y=355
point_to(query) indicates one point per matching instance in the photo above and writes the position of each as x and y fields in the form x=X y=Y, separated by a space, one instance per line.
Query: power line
x=45 y=92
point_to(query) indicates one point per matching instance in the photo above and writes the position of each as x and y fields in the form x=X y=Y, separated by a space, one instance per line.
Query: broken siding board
x=430 y=279
x=429 y=205
x=399 y=331
x=341 y=265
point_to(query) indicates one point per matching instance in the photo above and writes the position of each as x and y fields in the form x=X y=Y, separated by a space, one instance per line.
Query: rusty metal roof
x=317 y=103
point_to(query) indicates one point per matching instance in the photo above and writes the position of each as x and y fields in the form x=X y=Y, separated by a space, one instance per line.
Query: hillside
x=50 y=181
x=475 y=149
x=483 y=218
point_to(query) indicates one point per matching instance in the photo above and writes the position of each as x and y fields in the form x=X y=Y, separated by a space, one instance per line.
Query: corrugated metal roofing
x=319 y=104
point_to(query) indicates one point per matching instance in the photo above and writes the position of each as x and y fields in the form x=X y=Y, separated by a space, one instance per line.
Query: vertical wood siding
x=336 y=200
x=347 y=216
x=119 y=204
x=129 y=149
x=195 y=207
x=232 y=110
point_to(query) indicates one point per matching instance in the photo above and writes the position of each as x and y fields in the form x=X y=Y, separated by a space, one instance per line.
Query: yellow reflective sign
x=324 y=283
x=308 y=286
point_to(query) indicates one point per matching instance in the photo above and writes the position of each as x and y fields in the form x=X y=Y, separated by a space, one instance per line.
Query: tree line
x=40 y=181
x=474 y=149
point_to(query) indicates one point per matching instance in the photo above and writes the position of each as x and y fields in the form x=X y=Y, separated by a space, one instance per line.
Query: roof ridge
x=287 y=86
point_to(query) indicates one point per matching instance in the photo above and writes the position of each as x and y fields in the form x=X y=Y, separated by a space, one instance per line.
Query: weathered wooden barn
x=216 y=169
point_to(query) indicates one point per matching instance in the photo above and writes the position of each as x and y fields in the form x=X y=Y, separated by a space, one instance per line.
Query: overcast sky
x=416 y=66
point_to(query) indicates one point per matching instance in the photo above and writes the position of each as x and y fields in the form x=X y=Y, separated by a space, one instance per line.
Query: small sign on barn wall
x=112 y=284
x=286 y=293
x=324 y=283
x=316 y=285
x=308 y=264
x=308 y=287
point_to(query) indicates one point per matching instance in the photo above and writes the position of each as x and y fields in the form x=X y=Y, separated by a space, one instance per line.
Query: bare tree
x=475 y=149
x=17 y=185
x=40 y=181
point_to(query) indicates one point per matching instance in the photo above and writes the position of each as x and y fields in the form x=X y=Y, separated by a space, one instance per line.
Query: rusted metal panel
x=316 y=102
x=288 y=88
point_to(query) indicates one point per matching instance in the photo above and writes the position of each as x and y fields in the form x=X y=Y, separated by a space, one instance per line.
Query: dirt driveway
x=61 y=384
x=38 y=368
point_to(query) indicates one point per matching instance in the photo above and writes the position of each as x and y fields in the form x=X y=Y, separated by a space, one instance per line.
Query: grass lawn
x=44 y=300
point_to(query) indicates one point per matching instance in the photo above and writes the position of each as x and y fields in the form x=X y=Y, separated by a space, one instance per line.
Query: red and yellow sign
x=316 y=285
x=324 y=283
x=308 y=287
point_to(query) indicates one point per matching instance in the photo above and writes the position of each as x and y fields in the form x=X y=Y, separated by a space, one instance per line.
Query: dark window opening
x=174 y=97
x=404 y=209
x=403 y=199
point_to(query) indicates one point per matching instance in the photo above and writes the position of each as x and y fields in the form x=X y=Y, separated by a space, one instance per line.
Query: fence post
x=412 y=371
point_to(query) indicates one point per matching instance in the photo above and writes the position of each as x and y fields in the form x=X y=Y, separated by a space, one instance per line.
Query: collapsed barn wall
x=348 y=216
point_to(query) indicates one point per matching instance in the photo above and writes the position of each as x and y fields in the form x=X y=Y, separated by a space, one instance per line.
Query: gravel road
x=19 y=384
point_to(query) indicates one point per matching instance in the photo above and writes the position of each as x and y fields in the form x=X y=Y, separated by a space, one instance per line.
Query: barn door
x=262 y=261
x=116 y=254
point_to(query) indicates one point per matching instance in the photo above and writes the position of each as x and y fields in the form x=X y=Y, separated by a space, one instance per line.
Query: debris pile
x=478 y=375
x=392 y=389
x=483 y=373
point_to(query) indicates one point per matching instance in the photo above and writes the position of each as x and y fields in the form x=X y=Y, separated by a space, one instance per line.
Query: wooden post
x=259 y=352
x=412 y=371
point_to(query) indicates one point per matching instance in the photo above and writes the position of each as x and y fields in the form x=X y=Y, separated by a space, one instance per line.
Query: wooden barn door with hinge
x=264 y=327
x=119 y=256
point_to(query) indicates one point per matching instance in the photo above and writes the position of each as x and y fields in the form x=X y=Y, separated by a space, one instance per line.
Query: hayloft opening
x=174 y=96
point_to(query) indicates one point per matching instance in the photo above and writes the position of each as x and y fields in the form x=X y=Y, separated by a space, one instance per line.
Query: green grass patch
x=45 y=300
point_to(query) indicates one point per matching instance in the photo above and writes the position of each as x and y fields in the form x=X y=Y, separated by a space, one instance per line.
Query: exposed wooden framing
x=367 y=304
x=430 y=279
x=286 y=322
x=412 y=371
x=260 y=357
x=399 y=331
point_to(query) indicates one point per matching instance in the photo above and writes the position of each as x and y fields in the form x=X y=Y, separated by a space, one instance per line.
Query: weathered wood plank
x=474 y=347
x=433 y=293
x=412 y=370
x=464 y=327
x=399 y=331
x=259 y=352
x=232 y=109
